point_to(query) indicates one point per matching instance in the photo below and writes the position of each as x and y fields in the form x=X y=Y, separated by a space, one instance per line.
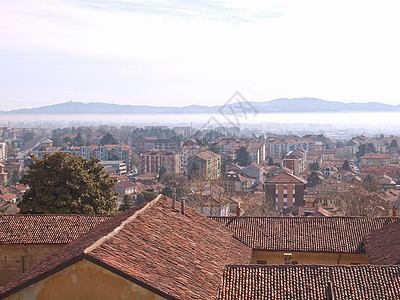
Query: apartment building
x=153 y=161
x=286 y=189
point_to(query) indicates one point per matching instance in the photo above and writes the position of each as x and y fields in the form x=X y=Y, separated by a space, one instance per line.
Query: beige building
x=153 y=161
x=206 y=164
x=25 y=240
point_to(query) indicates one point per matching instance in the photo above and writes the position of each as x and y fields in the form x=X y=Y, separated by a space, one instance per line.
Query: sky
x=153 y=52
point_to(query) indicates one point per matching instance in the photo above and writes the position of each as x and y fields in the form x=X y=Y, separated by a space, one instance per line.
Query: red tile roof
x=310 y=282
x=383 y=245
x=206 y=155
x=284 y=177
x=333 y=234
x=178 y=256
x=376 y=156
x=45 y=229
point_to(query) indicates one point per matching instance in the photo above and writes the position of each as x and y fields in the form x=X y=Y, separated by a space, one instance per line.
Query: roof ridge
x=117 y=229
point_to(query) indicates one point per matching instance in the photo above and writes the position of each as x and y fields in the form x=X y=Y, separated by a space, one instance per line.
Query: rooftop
x=178 y=256
x=332 y=234
x=45 y=229
x=310 y=282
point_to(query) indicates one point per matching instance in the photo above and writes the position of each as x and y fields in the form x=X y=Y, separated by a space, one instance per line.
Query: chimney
x=183 y=207
x=394 y=211
x=238 y=210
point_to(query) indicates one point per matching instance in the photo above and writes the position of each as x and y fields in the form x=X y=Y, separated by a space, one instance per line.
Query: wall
x=16 y=258
x=84 y=280
x=310 y=258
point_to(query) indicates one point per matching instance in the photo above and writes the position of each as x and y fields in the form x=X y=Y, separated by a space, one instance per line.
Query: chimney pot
x=183 y=207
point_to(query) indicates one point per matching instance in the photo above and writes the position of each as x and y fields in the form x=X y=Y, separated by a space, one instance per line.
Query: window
x=288 y=258
x=261 y=262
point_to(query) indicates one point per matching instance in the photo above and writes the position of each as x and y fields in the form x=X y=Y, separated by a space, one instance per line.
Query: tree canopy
x=243 y=157
x=62 y=183
x=108 y=139
x=346 y=166
x=314 y=166
x=394 y=144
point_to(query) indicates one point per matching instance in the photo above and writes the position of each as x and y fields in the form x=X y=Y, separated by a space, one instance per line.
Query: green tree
x=126 y=203
x=393 y=144
x=314 y=178
x=270 y=161
x=145 y=196
x=65 y=184
x=339 y=144
x=108 y=139
x=314 y=166
x=346 y=166
x=78 y=140
x=243 y=157
x=362 y=150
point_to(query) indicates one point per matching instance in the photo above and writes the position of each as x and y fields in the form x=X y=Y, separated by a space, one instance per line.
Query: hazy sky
x=185 y=52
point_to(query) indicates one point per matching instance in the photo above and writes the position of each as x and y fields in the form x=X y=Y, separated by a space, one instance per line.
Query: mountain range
x=281 y=105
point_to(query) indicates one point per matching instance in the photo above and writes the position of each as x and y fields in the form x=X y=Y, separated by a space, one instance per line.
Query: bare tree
x=360 y=201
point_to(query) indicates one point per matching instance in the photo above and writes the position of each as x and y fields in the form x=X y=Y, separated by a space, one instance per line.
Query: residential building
x=206 y=165
x=307 y=240
x=25 y=240
x=285 y=189
x=153 y=161
x=3 y=150
x=152 y=143
x=114 y=166
x=375 y=159
x=164 y=250
x=152 y=251
x=3 y=175
x=234 y=182
x=255 y=171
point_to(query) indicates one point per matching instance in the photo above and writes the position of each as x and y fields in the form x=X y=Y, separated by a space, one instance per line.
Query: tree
x=314 y=178
x=346 y=166
x=243 y=157
x=65 y=184
x=339 y=144
x=370 y=184
x=176 y=186
x=362 y=150
x=314 y=166
x=126 y=203
x=162 y=171
x=108 y=139
x=78 y=140
x=358 y=201
x=393 y=144
x=270 y=161
x=145 y=196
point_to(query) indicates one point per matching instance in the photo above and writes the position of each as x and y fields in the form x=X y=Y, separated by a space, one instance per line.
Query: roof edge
x=115 y=231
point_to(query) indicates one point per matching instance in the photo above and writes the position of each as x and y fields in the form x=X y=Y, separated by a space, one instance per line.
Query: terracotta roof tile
x=383 y=245
x=284 y=177
x=310 y=282
x=333 y=234
x=45 y=229
x=181 y=256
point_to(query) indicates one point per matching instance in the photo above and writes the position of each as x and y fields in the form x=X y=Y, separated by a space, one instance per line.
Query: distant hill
x=278 y=105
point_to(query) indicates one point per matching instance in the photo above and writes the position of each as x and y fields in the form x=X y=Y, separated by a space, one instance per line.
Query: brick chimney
x=394 y=211
x=183 y=207
x=238 y=210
